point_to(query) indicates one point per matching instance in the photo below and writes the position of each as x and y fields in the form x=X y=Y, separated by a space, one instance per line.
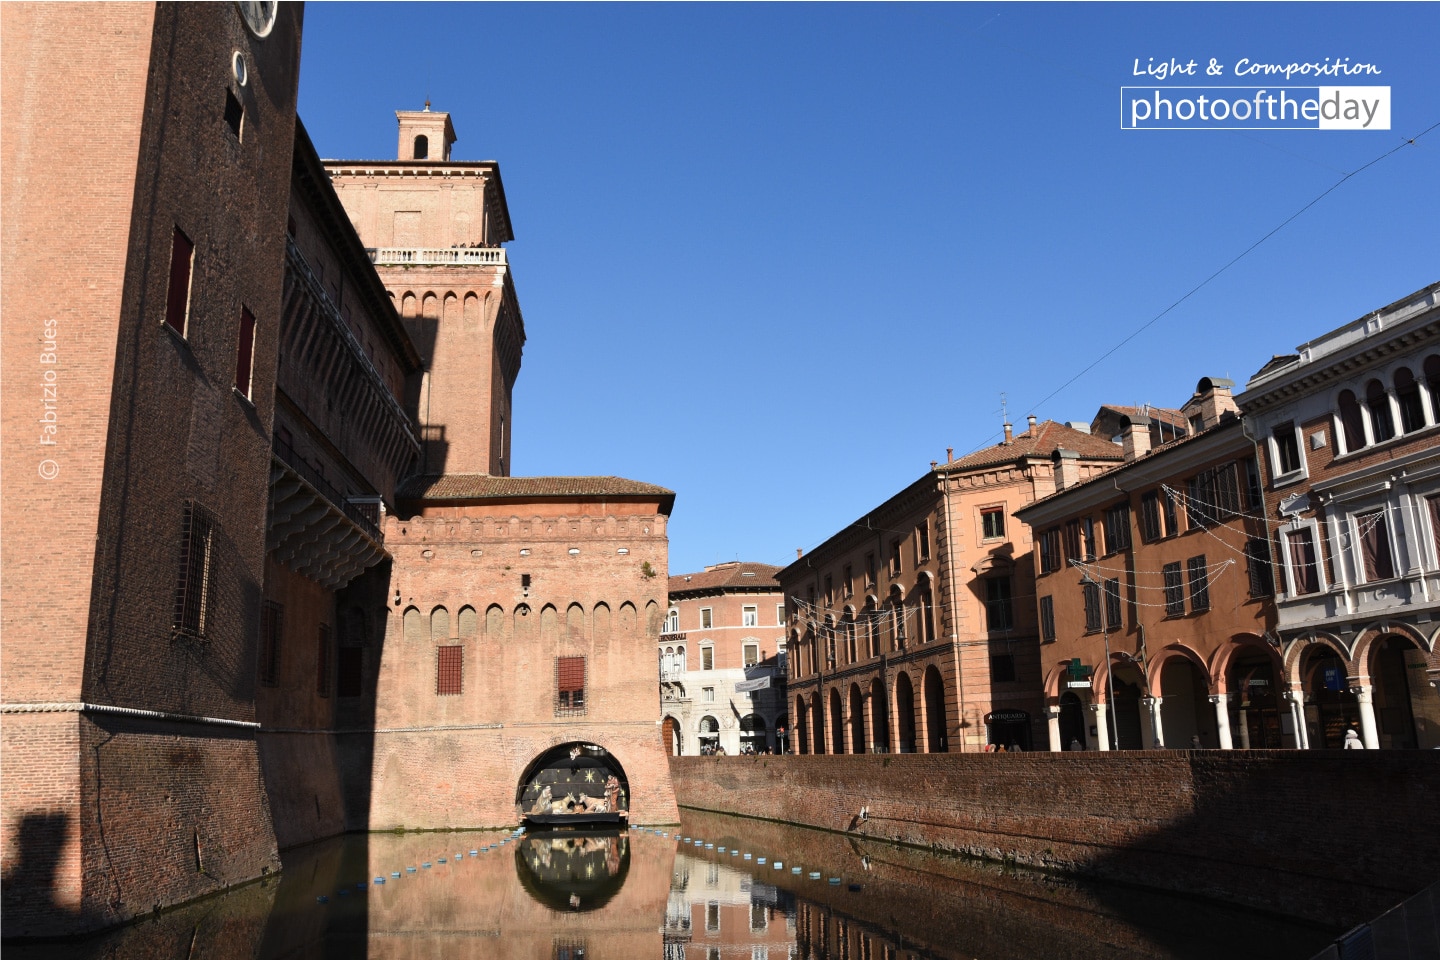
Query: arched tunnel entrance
x=573 y=784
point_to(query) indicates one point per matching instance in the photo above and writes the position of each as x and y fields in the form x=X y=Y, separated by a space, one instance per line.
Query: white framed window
x=750 y=616
x=680 y=659
x=752 y=654
x=1287 y=462
x=1372 y=541
x=707 y=656
x=779 y=614
x=1304 y=574
x=672 y=621
x=707 y=694
x=707 y=618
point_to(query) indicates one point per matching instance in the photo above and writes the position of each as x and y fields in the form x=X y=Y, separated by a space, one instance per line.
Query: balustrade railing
x=437 y=256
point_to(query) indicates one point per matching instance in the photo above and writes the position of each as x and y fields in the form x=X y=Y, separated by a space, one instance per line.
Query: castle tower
x=434 y=229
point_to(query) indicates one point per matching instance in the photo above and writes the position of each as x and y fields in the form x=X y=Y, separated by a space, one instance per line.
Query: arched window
x=1382 y=425
x=1352 y=422
x=1432 y=380
x=439 y=624
x=468 y=622
x=414 y=624
x=422 y=147
x=1407 y=391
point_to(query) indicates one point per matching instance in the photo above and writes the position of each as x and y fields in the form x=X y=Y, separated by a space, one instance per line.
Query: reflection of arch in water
x=573 y=779
x=572 y=870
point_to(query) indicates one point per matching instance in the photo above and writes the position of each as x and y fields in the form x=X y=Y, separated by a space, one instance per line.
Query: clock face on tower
x=259 y=15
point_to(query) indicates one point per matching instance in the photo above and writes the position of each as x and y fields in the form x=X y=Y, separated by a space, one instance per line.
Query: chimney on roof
x=1067 y=468
x=1135 y=437
x=1009 y=434
x=799 y=552
x=1211 y=401
x=949 y=454
x=934 y=464
x=1031 y=420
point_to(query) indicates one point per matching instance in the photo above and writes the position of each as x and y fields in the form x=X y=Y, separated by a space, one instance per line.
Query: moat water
x=716 y=888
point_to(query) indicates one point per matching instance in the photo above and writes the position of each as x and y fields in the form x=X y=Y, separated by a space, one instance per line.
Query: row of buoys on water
x=774 y=864
x=426 y=865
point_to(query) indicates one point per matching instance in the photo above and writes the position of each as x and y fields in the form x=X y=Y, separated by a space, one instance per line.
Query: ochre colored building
x=272 y=579
x=910 y=629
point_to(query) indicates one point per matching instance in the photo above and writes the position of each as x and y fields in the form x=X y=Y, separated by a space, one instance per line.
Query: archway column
x=1296 y=699
x=1052 y=723
x=1365 y=697
x=1102 y=728
x=1222 y=720
x=1152 y=723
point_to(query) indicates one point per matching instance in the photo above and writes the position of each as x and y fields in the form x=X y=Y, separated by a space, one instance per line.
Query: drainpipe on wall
x=953 y=612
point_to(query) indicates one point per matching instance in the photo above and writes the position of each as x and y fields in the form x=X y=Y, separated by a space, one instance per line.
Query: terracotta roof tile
x=1042 y=441
x=727 y=576
x=480 y=486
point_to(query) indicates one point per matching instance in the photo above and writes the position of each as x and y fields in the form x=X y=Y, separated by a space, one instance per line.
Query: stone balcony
x=437 y=257
x=314 y=530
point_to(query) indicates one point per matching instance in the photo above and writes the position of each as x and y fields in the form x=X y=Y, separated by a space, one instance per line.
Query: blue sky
x=778 y=258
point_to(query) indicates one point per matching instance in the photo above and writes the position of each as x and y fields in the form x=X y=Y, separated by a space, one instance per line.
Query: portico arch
x=904 y=714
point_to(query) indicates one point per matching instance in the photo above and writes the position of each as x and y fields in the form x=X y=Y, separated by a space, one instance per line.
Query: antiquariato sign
x=1007 y=716
x=748 y=686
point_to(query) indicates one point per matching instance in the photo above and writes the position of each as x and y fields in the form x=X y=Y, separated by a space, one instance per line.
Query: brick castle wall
x=1326 y=837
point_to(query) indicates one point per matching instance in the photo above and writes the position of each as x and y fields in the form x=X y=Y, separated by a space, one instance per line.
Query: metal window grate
x=569 y=685
x=192 y=592
x=449 y=671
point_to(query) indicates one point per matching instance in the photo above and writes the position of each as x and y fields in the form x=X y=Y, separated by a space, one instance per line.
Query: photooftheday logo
x=1255 y=108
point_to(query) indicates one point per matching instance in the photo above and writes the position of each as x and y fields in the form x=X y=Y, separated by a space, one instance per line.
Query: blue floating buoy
x=794 y=869
x=778 y=865
x=699 y=843
x=426 y=865
x=361 y=885
x=379 y=879
x=322 y=899
x=734 y=853
x=474 y=853
x=394 y=873
x=814 y=874
x=343 y=893
x=722 y=849
x=834 y=881
x=409 y=869
x=747 y=856
x=759 y=859
x=442 y=860
x=709 y=846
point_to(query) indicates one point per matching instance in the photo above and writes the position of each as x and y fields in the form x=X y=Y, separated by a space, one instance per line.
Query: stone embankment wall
x=1334 y=838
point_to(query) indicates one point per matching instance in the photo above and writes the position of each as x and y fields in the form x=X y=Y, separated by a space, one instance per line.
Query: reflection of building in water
x=717 y=912
x=573 y=870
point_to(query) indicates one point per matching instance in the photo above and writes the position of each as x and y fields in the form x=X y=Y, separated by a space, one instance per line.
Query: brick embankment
x=1330 y=838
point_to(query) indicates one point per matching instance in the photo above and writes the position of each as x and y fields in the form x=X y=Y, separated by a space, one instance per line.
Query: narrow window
x=992 y=523
x=1382 y=424
x=779 y=614
x=1199 y=584
x=752 y=654
x=1091 y=592
x=1434 y=504
x=1174 y=590
x=927 y=615
x=1151 y=526
x=707 y=618
x=707 y=657
x=272 y=621
x=322 y=661
x=1407 y=391
x=1087 y=538
x=244 y=353
x=895 y=558
x=999 y=611
x=1050 y=550
x=450 y=671
x=672 y=621
x=234 y=113
x=422 y=147
x=1002 y=668
x=1374 y=537
x=750 y=616
x=1114 y=608
x=1117 y=528
x=848 y=582
x=1352 y=422
x=177 y=297
x=1072 y=541
x=349 y=670
x=569 y=685
x=869 y=569
x=922 y=541
x=1257 y=563
x=829 y=592
x=1304 y=574
x=192 y=593
x=1047 y=619
x=851 y=650
x=1432 y=380
x=1287 y=449
x=708 y=694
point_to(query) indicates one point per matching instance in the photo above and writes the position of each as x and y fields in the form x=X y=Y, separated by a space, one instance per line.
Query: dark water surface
x=660 y=894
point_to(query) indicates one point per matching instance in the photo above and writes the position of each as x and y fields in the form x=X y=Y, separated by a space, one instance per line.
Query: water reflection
x=642 y=894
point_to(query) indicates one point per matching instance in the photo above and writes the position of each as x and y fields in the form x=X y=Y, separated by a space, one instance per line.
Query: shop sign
x=1007 y=716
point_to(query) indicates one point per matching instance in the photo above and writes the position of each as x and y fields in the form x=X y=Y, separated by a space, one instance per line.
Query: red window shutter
x=572 y=674
x=177 y=299
x=449 y=671
x=244 y=351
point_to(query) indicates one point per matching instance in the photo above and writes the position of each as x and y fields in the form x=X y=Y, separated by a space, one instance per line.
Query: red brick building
x=1153 y=590
x=271 y=579
x=722 y=661
x=909 y=629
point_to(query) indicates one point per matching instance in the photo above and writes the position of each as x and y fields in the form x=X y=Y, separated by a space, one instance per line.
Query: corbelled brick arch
x=857 y=719
x=879 y=719
x=904 y=700
x=934 y=711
